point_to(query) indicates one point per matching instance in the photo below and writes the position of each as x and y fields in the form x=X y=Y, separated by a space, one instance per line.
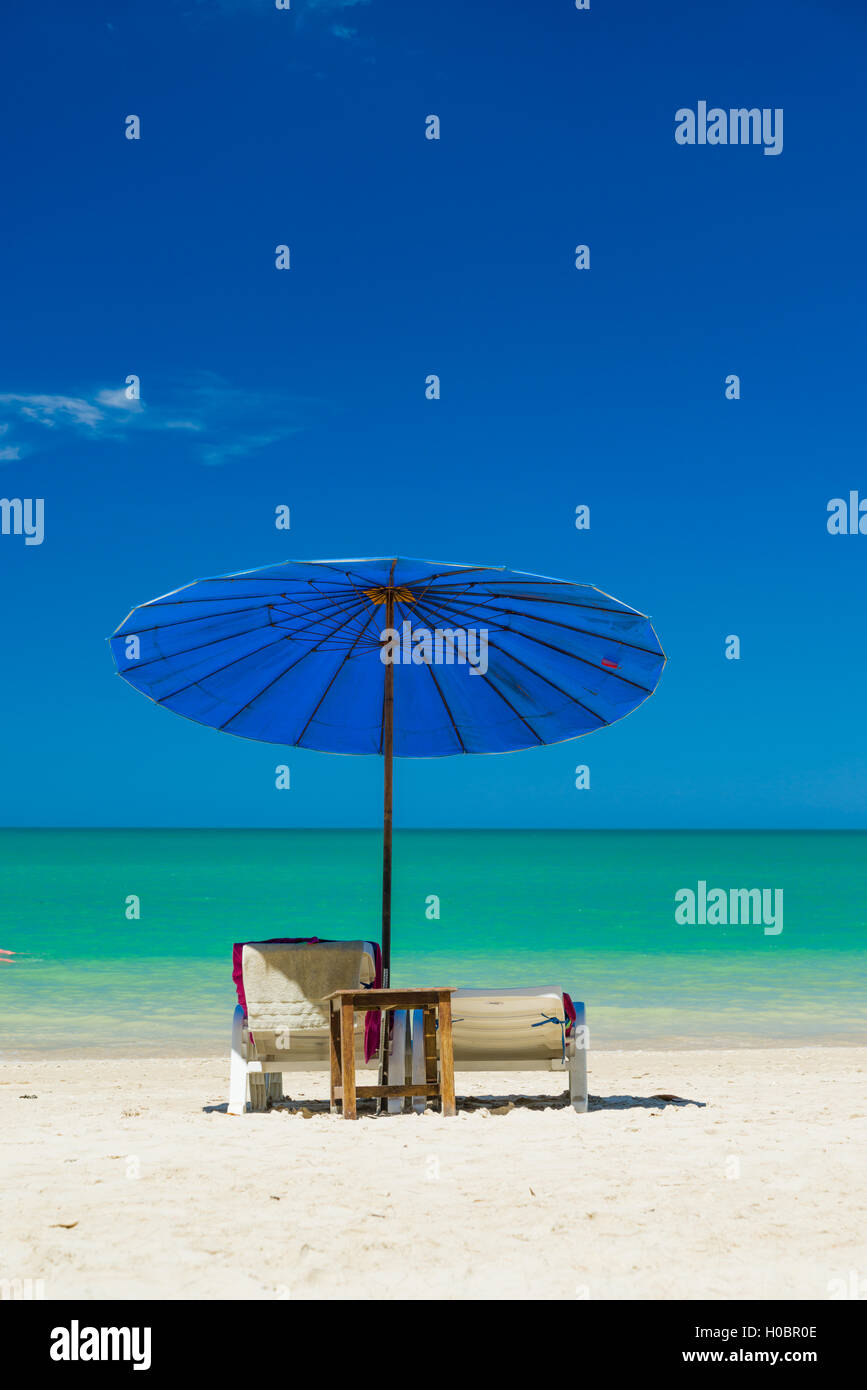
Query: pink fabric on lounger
x=569 y=1011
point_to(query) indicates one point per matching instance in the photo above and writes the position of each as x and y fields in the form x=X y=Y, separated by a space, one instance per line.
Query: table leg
x=419 y=1061
x=347 y=1058
x=430 y=1044
x=383 y=1058
x=334 y=1049
x=447 y=1060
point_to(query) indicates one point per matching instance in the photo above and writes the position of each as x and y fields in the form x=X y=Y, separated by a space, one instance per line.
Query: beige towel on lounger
x=285 y=984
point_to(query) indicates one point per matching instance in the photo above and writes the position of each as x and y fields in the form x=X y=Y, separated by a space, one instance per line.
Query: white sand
x=120 y=1181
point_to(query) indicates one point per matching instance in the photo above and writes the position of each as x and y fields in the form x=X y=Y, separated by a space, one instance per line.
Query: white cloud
x=227 y=423
x=51 y=410
x=238 y=448
x=118 y=400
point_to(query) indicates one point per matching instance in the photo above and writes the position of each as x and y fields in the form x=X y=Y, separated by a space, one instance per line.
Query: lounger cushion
x=498 y=1023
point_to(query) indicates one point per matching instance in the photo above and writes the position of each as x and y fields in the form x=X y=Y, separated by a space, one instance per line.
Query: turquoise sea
x=590 y=911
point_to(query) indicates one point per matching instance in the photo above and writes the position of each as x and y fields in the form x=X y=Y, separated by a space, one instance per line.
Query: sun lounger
x=283 y=1024
x=514 y=1030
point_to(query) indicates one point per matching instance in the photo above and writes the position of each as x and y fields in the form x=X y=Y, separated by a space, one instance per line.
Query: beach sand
x=126 y=1179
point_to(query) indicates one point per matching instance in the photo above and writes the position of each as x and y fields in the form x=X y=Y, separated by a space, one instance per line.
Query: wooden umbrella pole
x=388 y=750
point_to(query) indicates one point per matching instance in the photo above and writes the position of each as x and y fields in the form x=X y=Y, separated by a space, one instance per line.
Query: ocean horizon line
x=479 y=829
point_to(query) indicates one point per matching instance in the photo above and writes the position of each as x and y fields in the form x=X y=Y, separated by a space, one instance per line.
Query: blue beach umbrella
x=391 y=657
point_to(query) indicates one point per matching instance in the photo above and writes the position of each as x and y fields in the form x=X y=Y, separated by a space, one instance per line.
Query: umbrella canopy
x=413 y=658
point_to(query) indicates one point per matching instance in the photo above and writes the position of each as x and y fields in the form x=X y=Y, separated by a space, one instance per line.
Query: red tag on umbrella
x=612 y=664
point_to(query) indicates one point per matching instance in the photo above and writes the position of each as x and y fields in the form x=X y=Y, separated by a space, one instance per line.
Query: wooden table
x=436 y=1005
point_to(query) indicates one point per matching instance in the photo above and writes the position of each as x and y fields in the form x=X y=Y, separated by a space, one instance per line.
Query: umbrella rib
x=338 y=596
x=186 y=651
x=485 y=677
x=361 y=595
x=464 y=569
x=446 y=704
x=443 y=574
x=319 y=617
x=361 y=603
x=157 y=627
x=569 y=603
x=540 y=642
x=203 y=598
x=285 y=672
x=548 y=681
x=227 y=613
x=365 y=578
x=182 y=622
x=284 y=637
x=530 y=579
x=448 y=708
x=331 y=604
x=255 y=578
x=209 y=674
x=313 y=712
x=569 y=696
x=583 y=631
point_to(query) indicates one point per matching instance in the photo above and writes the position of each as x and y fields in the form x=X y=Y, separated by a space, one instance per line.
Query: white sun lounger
x=287 y=1023
x=506 y=1030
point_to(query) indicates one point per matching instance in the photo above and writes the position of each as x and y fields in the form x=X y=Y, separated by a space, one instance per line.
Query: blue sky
x=306 y=387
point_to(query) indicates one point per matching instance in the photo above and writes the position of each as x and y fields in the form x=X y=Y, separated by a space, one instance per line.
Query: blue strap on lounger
x=561 y=1023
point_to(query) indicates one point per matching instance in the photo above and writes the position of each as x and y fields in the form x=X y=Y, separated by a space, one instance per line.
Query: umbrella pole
x=387 y=749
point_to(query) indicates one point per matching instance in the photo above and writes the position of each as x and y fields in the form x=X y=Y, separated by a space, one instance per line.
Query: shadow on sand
x=495 y=1105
